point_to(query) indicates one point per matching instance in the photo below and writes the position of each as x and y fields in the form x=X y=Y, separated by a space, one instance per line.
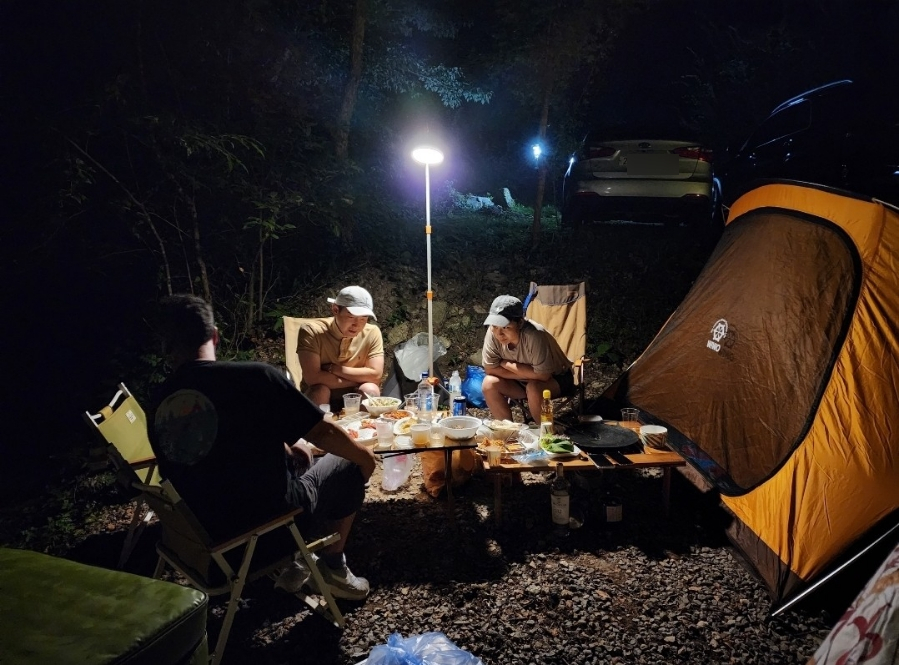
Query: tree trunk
x=342 y=131
x=541 y=168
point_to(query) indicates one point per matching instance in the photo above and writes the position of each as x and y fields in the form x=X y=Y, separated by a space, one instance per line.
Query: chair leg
x=135 y=529
x=331 y=612
x=160 y=568
x=237 y=583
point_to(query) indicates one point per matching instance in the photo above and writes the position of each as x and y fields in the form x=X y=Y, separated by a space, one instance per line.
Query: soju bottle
x=560 y=500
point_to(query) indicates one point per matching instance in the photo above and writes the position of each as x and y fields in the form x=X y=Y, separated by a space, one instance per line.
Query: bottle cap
x=546 y=394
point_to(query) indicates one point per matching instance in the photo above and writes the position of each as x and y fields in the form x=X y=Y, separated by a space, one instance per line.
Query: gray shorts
x=333 y=488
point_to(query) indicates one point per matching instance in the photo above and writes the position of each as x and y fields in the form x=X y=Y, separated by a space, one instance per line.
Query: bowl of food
x=378 y=406
x=502 y=429
x=460 y=427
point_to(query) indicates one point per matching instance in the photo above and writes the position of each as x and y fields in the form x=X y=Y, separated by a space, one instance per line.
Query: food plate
x=358 y=431
x=574 y=453
x=398 y=414
x=404 y=426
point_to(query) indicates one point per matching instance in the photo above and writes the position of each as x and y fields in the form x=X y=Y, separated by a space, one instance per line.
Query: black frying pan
x=601 y=436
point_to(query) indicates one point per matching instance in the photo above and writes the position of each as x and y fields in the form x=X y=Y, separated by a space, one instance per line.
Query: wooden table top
x=583 y=462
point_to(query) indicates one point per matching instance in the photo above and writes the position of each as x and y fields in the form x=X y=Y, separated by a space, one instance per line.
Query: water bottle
x=560 y=500
x=455 y=385
x=425 y=398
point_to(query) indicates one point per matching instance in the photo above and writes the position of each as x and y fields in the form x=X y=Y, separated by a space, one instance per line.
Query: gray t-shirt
x=535 y=347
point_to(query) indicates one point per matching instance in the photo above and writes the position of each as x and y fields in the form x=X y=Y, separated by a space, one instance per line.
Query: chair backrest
x=123 y=424
x=291 y=359
x=562 y=310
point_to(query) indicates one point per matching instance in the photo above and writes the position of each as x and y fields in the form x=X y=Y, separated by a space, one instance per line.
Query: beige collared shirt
x=323 y=337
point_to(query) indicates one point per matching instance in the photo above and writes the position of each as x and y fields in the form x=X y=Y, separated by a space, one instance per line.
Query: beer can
x=459 y=405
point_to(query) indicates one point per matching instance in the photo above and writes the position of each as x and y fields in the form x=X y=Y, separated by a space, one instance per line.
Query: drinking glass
x=351 y=402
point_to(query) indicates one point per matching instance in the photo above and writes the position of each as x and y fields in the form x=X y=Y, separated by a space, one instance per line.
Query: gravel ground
x=653 y=589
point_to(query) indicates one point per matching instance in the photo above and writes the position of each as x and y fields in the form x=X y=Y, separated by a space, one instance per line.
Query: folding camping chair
x=562 y=310
x=226 y=567
x=122 y=425
x=291 y=359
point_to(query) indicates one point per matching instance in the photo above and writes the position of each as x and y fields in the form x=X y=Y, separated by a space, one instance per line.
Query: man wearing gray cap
x=344 y=352
x=521 y=360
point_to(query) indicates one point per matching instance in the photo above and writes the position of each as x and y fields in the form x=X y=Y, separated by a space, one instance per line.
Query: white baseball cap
x=357 y=301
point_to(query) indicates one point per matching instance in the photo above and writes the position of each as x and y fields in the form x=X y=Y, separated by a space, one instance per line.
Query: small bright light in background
x=428 y=155
x=537 y=150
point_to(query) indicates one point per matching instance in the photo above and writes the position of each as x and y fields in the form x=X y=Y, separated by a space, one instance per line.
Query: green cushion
x=58 y=611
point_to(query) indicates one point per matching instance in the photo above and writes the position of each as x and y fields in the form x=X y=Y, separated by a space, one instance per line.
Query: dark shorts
x=565 y=381
x=331 y=490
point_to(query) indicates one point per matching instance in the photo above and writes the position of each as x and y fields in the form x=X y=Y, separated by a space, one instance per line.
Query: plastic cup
x=384 y=428
x=351 y=402
x=437 y=436
x=420 y=433
x=630 y=418
x=494 y=453
x=412 y=402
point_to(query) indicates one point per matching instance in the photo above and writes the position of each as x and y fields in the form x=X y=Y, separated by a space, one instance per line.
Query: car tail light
x=694 y=152
x=598 y=151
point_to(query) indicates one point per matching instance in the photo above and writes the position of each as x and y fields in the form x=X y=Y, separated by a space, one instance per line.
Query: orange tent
x=778 y=377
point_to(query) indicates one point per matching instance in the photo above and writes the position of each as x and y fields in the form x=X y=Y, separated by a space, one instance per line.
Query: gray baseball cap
x=357 y=301
x=502 y=310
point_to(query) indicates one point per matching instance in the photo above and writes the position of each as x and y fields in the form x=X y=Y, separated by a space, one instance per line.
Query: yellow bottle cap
x=546 y=394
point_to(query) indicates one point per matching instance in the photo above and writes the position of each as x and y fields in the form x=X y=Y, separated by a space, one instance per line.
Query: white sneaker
x=341 y=582
x=293 y=577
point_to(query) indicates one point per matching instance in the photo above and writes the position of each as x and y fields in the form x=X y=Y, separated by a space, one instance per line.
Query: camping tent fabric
x=777 y=377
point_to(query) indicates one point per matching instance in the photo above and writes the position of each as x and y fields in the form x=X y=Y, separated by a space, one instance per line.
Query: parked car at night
x=639 y=175
x=843 y=135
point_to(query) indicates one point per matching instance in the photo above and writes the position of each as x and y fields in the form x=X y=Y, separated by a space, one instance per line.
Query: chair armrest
x=240 y=539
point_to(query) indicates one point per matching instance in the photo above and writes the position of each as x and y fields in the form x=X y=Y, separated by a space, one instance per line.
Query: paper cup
x=654 y=437
x=494 y=453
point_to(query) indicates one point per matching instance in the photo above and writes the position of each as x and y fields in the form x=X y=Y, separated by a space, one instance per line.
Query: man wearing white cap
x=344 y=352
x=521 y=360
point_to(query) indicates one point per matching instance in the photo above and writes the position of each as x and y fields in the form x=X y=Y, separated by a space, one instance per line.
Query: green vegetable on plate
x=556 y=444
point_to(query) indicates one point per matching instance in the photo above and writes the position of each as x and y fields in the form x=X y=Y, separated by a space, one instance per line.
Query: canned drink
x=459 y=405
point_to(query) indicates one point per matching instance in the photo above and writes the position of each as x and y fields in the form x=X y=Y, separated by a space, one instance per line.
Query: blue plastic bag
x=426 y=649
x=471 y=386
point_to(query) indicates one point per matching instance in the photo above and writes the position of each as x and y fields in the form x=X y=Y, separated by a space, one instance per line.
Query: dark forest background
x=251 y=151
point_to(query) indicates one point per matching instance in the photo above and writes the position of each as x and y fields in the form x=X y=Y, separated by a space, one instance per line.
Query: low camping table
x=448 y=446
x=663 y=460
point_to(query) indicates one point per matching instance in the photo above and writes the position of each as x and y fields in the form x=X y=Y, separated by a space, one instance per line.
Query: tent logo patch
x=719 y=332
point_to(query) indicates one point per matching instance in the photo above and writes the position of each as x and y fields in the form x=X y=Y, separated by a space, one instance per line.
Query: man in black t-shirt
x=223 y=431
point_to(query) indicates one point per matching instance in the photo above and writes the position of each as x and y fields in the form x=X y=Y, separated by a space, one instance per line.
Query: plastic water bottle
x=425 y=397
x=560 y=500
x=455 y=384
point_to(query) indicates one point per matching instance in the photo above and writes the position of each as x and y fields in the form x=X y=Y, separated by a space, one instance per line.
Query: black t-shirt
x=218 y=430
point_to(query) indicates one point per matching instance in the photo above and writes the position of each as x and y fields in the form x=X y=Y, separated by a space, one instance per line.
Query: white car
x=639 y=177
